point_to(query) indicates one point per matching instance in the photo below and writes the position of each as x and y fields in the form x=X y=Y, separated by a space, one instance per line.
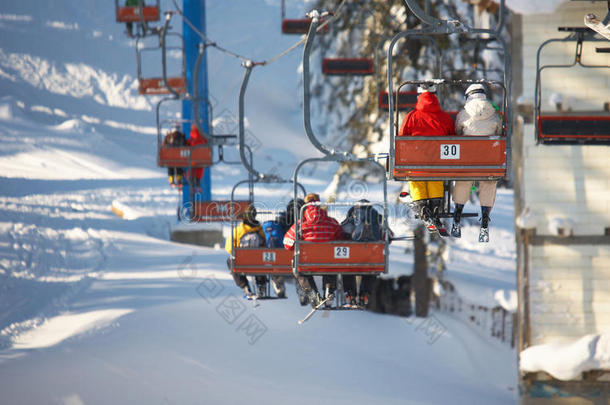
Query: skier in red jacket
x=427 y=119
x=196 y=174
x=316 y=226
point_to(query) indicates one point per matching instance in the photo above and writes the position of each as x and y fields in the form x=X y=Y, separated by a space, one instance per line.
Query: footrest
x=574 y=29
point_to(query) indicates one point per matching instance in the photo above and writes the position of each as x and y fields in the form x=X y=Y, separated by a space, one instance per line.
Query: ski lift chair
x=179 y=156
x=298 y=26
x=223 y=210
x=406 y=100
x=341 y=257
x=448 y=157
x=163 y=84
x=261 y=261
x=561 y=128
x=353 y=66
x=335 y=257
x=140 y=14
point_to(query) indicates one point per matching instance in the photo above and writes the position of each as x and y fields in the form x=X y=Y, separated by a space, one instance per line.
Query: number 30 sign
x=450 y=151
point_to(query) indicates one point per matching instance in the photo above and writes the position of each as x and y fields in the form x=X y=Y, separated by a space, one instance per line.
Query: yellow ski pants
x=421 y=190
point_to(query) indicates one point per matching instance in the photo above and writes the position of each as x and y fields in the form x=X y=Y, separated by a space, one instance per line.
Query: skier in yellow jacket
x=248 y=234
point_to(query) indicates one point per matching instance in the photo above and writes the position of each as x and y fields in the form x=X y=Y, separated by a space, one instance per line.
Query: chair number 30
x=450 y=151
x=341 y=252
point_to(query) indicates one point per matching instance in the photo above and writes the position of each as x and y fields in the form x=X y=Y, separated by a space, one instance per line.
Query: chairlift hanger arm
x=436 y=25
x=168 y=17
x=249 y=65
x=209 y=139
x=315 y=19
x=447 y=26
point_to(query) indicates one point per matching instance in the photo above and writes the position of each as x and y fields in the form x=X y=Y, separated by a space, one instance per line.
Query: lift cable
x=244 y=59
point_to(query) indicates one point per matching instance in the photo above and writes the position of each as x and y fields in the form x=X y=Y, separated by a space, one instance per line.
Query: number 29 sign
x=341 y=252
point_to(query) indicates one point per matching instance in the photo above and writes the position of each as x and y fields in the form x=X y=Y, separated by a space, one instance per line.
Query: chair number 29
x=450 y=151
x=341 y=252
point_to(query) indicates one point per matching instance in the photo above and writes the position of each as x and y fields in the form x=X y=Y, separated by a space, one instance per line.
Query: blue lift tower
x=194 y=12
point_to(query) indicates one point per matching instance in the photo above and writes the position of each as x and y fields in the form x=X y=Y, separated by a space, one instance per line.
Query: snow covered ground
x=97 y=309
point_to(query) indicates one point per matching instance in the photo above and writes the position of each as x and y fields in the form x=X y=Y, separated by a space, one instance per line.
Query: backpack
x=251 y=240
x=366 y=221
x=274 y=234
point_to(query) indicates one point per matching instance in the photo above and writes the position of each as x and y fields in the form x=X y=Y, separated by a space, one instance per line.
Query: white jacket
x=478 y=117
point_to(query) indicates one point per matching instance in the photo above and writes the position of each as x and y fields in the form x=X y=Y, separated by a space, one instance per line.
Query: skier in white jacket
x=478 y=117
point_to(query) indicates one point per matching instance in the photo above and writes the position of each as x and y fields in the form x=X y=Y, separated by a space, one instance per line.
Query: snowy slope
x=96 y=309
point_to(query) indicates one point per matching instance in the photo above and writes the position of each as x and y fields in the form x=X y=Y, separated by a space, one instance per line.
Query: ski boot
x=279 y=287
x=435 y=205
x=247 y=293
x=484 y=232
x=314 y=298
x=260 y=290
x=456 y=229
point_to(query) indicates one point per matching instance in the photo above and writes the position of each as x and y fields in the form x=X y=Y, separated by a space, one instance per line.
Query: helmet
x=426 y=87
x=475 y=89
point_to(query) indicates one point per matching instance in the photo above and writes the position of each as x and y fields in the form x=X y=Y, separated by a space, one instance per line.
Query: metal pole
x=194 y=12
x=242 y=136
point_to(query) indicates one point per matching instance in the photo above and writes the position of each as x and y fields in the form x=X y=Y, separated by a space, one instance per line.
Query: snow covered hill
x=97 y=309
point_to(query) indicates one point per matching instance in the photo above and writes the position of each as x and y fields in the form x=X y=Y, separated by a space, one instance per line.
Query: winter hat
x=475 y=89
x=290 y=205
x=426 y=87
x=312 y=197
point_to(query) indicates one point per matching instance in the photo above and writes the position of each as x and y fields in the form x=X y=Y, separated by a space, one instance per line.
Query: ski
x=352 y=306
x=314 y=309
x=484 y=235
x=440 y=231
x=596 y=25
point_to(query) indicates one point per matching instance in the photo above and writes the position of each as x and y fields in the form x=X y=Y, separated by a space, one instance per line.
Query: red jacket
x=317 y=226
x=427 y=119
x=194 y=140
